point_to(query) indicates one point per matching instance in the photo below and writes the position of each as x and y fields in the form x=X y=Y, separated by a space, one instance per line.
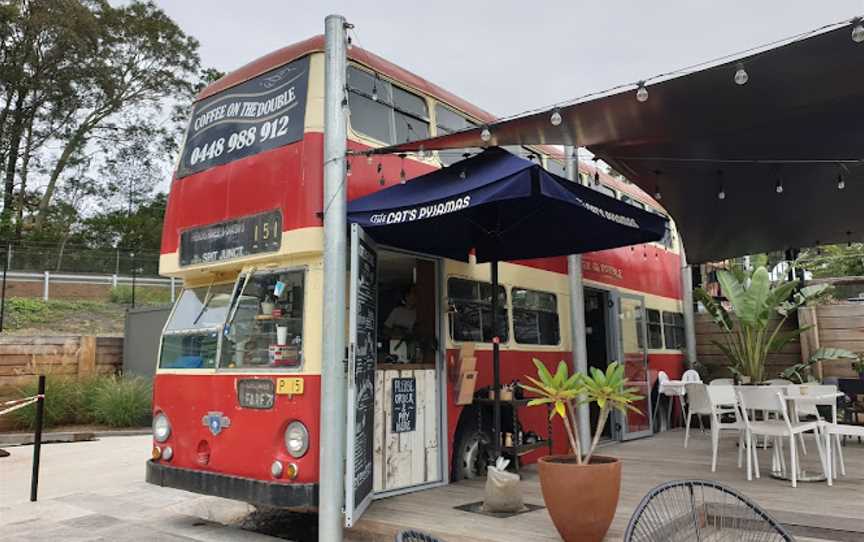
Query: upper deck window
x=608 y=190
x=448 y=121
x=191 y=336
x=383 y=111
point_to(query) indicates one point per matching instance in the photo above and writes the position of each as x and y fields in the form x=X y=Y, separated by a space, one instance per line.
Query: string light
x=841 y=184
x=485 y=134
x=348 y=44
x=347 y=168
x=555 y=119
x=642 y=92
x=463 y=174
x=779 y=186
x=857 y=30
x=402 y=169
x=380 y=170
x=657 y=195
x=375 y=89
x=369 y=158
x=741 y=76
x=421 y=153
x=721 y=194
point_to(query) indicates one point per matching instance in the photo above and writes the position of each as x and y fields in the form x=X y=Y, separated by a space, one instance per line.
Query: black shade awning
x=795 y=124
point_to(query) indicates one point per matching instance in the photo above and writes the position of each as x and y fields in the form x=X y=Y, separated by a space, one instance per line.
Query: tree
x=832 y=261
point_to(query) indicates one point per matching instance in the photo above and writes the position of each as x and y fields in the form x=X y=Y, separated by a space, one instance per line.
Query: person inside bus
x=402 y=318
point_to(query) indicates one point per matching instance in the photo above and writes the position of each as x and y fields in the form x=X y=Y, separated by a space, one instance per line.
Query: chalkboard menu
x=404 y=405
x=364 y=355
x=231 y=239
x=261 y=114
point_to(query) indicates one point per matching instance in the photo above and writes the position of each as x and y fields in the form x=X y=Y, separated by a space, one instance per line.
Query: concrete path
x=96 y=491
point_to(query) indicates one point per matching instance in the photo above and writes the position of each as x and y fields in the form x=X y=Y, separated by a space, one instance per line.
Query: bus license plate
x=289 y=386
x=255 y=393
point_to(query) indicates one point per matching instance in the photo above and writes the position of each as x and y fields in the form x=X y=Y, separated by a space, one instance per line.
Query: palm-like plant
x=565 y=391
x=752 y=334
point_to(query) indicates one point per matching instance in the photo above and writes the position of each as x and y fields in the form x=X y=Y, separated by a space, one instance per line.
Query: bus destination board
x=261 y=114
x=231 y=239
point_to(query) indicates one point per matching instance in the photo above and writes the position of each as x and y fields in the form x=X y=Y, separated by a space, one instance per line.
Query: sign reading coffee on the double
x=404 y=406
x=258 y=115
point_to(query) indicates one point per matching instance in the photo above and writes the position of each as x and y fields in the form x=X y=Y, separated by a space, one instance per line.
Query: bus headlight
x=161 y=427
x=296 y=439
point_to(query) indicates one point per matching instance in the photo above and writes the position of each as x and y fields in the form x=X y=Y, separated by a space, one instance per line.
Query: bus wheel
x=473 y=454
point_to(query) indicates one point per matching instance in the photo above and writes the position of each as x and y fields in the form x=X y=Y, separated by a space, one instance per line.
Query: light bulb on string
x=369 y=158
x=375 y=89
x=421 y=153
x=485 y=134
x=348 y=168
x=462 y=174
x=858 y=30
x=402 y=169
x=657 y=194
x=721 y=194
x=555 y=119
x=741 y=75
x=642 y=92
x=779 y=186
x=841 y=183
x=348 y=44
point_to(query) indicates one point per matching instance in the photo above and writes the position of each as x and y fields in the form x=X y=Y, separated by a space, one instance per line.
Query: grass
x=143 y=296
x=101 y=400
x=24 y=312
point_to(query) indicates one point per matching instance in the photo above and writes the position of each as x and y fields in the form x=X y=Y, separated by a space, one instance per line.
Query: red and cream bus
x=238 y=387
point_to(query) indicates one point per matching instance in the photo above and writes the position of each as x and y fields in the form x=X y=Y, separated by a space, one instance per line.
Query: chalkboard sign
x=261 y=114
x=231 y=239
x=404 y=405
x=361 y=386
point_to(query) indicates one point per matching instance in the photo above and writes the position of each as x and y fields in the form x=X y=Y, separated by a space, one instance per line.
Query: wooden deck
x=812 y=512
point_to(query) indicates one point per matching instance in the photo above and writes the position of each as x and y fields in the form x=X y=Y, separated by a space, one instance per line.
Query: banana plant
x=753 y=333
x=564 y=391
x=800 y=372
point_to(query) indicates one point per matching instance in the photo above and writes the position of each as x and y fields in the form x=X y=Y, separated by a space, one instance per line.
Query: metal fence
x=47 y=278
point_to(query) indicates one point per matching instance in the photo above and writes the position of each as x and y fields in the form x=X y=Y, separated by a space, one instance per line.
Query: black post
x=3 y=292
x=37 y=438
x=496 y=362
x=132 y=259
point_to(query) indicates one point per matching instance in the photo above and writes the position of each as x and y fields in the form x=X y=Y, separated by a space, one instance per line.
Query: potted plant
x=754 y=332
x=581 y=490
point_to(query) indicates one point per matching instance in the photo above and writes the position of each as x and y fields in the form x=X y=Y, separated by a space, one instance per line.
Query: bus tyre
x=473 y=454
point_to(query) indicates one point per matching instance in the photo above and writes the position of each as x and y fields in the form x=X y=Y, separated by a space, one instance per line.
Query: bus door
x=633 y=354
x=362 y=357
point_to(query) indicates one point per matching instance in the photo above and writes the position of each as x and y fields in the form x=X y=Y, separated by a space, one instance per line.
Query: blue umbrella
x=501 y=207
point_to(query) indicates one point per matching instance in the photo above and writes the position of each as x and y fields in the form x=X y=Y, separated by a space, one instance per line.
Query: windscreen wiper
x=207 y=298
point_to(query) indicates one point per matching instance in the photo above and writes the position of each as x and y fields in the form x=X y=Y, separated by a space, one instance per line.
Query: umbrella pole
x=496 y=362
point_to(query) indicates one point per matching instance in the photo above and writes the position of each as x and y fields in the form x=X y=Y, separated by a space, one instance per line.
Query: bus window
x=633 y=202
x=609 y=191
x=655 y=329
x=673 y=326
x=383 y=111
x=535 y=317
x=266 y=323
x=411 y=116
x=448 y=121
x=556 y=167
x=471 y=311
x=191 y=336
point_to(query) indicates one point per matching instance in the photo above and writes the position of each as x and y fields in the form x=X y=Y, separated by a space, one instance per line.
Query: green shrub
x=99 y=399
x=23 y=312
x=65 y=402
x=122 y=295
x=121 y=402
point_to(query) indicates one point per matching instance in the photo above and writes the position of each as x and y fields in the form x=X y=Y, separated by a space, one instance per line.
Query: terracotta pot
x=581 y=499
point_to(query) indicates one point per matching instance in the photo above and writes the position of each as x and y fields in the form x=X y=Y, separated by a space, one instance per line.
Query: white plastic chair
x=714 y=402
x=836 y=430
x=669 y=391
x=691 y=375
x=722 y=382
x=808 y=408
x=770 y=399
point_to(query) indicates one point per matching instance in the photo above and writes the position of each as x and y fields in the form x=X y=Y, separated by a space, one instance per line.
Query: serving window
x=470 y=314
x=535 y=317
x=265 y=326
x=191 y=336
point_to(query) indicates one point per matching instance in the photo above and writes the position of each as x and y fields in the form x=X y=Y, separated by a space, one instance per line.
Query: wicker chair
x=415 y=536
x=686 y=510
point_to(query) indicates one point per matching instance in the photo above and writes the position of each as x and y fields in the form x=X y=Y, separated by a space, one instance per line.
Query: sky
x=506 y=56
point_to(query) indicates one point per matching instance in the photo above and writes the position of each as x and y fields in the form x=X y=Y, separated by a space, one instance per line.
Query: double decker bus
x=238 y=388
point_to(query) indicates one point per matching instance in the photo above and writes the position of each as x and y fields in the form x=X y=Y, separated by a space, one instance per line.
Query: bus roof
x=315 y=44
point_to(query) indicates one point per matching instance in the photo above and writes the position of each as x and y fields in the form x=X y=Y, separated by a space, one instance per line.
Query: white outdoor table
x=779 y=470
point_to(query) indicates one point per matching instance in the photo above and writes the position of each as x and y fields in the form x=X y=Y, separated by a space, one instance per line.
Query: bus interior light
x=161 y=427
x=296 y=439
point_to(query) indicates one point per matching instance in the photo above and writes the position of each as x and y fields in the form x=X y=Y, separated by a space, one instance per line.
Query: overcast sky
x=507 y=56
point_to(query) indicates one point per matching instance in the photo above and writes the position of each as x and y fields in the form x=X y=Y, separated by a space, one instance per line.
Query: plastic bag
x=502 y=489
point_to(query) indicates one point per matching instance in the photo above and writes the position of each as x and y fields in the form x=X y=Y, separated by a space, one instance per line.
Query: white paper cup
x=281 y=335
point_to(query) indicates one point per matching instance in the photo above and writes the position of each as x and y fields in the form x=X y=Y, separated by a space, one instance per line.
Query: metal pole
x=3 y=293
x=496 y=363
x=132 y=260
x=37 y=439
x=687 y=301
x=333 y=414
x=577 y=310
